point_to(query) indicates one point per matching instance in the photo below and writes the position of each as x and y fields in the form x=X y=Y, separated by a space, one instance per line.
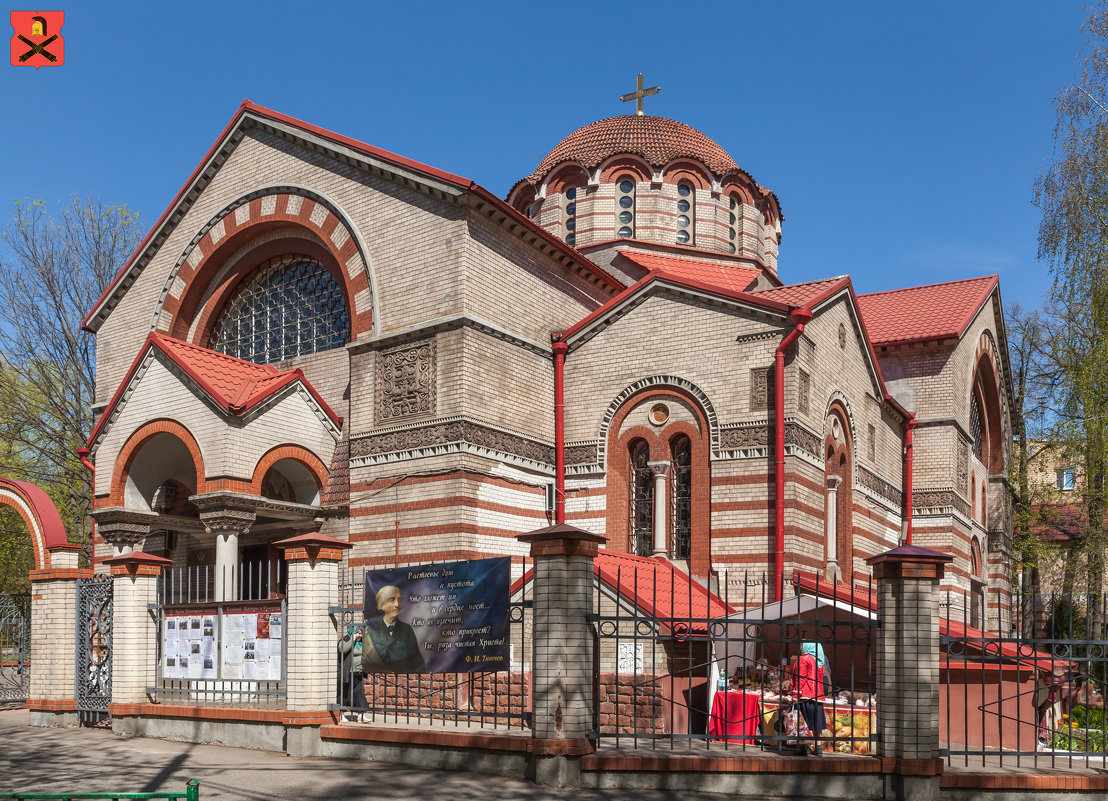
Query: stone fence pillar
x=52 y=696
x=310 y=674
x=562 y=662
x=134 y=629
x=908 y=668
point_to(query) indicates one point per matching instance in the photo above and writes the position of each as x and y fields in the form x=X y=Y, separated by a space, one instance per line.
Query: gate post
x=908 y=669
x=134 y=631
x=562 y=663
x=310 y=672
x=52 y=700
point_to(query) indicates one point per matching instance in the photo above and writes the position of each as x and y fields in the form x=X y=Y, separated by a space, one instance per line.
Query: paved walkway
x=95 y=760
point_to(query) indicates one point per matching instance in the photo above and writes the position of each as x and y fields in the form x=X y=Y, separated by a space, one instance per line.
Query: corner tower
x=655 y=184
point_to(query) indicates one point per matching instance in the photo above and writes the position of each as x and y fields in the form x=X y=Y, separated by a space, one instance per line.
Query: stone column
x=134 y=632
x=562 y=662
x=908 y=668
x=227 y=521
x=124 y=529
x=832 y=516
x=52 y=694
x=661 y=508
x=310 y=634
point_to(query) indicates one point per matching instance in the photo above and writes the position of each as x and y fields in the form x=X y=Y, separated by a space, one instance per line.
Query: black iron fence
x=678 y=667
x=1032 y=696
x=15 y=647
x=480 y=699
x=221 y=636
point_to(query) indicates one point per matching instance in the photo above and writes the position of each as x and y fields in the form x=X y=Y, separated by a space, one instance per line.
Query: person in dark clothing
x=389 y=644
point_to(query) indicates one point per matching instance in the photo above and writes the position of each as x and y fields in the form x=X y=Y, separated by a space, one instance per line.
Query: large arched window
x=642 y=500
x=291 y=307
x=681 y=470
x=977 y=429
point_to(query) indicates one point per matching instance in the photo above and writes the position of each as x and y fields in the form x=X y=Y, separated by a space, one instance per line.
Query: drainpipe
x=83 y=454
x=909 y=427
x=799 y=318
x=560 y=349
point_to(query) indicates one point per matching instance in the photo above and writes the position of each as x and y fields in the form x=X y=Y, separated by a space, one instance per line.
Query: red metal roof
x=735 y=277
x=235 y=385
x=806 y=294
x=924 y=313
x=657 y=139
x=44 y=511
x=659 y=589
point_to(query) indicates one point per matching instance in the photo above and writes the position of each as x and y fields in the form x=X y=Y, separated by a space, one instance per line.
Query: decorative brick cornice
x=51 y=705
x=879 y=486
x=60 y=574
x=940 y=500
x=449 y=435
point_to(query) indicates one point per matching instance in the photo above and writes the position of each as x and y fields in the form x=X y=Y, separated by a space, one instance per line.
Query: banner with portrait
x=450 y=617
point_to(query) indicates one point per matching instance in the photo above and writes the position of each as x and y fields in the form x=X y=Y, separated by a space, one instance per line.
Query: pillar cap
x=65 y=546
x=137 y=562
x=911 y=553
x=562 y=539
x=313 y=546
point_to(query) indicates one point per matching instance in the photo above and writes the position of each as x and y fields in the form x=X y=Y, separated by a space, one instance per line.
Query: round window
x=571 y=224
x=731 y=233
x=682 y=237
x=571 y=193
x=659 y=413
x=731 y=248
x=732 y=220
x=684 y=190
x=682 y=205
x=626 y=201
x=626 y=187
x=733 y=203
x=571 y=239
x=625 y=232
x=625 y=217
x=683 y=221
x=571 y=209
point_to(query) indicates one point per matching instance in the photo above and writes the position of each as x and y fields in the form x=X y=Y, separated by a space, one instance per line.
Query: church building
x=319 y=335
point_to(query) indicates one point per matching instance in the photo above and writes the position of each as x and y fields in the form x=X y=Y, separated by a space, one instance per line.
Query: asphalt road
x=95 y=760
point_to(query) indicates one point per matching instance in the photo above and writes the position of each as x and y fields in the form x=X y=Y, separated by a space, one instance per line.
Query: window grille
x=642 y=500
x=682 y=498
x=293 y=306
x=975 y=427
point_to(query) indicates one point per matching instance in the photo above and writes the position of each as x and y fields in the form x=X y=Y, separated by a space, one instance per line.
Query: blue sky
x=902 y=139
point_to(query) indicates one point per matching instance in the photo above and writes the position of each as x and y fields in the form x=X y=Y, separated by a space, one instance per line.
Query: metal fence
x=480 y=699
x=15 y=647
x=229 y=652
x=190 y=793
x=1032 y=696
x=94 y=635
x=676 y=667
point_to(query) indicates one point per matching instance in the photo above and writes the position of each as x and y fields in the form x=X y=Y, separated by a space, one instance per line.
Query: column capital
x=121 y=527
x=220 y=513
x=659 y=468
x=834 y=481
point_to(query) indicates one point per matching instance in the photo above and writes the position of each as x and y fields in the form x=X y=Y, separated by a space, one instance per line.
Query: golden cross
x=639 y=94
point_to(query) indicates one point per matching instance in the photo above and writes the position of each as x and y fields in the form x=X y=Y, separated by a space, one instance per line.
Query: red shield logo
x=37 y=41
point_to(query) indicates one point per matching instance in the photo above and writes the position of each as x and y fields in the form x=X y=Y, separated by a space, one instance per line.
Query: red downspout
x=799 y=317
x=909 y=427
x=83 y=454
x=560 y=349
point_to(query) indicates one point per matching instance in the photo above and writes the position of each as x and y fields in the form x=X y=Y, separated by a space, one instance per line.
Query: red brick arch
x=228 y=235
x=567 y=175
x=302 y=455
x=618 y=476
x=618 y=167
x=686 y=170
x=839 y=461
x=134 y=444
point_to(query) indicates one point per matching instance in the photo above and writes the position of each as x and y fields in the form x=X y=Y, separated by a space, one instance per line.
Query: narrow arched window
x=976 y=427
x=292 y=306
x=681 y=471
x=625 y=207
x=570 y=215
x=734 y=222
x=686 y=212
x=642 y=500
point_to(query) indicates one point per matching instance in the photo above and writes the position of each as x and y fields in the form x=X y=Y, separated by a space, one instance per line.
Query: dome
x=657 y=139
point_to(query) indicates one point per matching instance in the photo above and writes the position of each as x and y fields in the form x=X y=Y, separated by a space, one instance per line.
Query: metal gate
x=94 y=647
x=15 y=647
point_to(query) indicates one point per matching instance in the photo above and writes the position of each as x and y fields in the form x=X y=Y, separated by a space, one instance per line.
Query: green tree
x=53 y=268
x=1072 y=194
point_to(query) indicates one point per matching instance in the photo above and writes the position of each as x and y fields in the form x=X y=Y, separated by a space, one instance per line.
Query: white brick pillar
x=310 y=671
x=134 y=630
x=908 y=668
x=52 y=695
x=661 y=507
x=561 y=682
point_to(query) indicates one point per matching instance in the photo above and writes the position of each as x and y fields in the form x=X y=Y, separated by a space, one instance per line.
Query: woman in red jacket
x=808 y=686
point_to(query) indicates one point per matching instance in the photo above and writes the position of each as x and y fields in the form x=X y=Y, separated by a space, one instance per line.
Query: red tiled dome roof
x=657 y=139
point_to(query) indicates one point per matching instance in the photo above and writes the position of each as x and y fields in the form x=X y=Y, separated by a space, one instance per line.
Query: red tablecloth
x=735 y=716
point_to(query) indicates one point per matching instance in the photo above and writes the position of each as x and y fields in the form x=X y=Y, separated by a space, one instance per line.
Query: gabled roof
x=234 y=385
x=659 y=589
x=925 y=313
x=807 y=294
x=734 y=277
x=407 y=170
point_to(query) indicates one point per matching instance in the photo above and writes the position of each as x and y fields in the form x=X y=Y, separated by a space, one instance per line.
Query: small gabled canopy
x=904 y=316
x=235 y=386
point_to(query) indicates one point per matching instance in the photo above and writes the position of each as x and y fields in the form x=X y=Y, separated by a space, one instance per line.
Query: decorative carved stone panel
x=962 y=455
x=450 y=432
x=871 y=442
x=804 y=391
x=880 y=487
x=802 y=438
x=731 y=439
x=761 y=389
x=581 y=454
x=405 y=382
